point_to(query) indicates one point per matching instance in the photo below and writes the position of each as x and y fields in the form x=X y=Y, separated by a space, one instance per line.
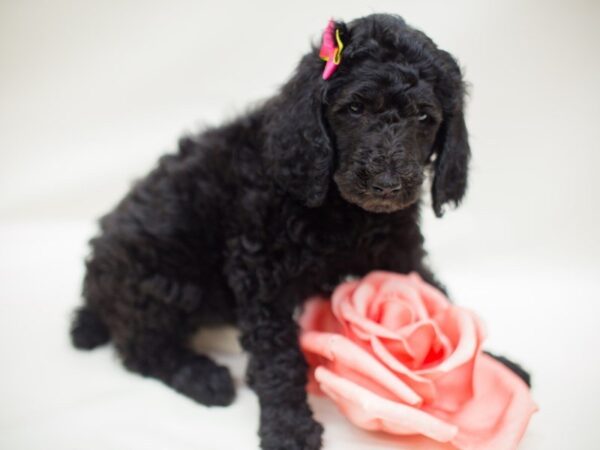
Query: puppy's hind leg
x=161 y=356
x=149 y=318
x=151 y=326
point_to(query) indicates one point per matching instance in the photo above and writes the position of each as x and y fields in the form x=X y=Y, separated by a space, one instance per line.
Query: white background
x=91 y=93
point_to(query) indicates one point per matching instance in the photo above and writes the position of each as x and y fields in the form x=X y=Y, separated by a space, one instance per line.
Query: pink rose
x=395 y=355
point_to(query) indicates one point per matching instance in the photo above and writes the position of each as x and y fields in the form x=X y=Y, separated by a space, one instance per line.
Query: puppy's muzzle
x=385 y=185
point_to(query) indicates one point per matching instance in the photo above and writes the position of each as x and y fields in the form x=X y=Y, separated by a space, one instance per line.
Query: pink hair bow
x=331 y=49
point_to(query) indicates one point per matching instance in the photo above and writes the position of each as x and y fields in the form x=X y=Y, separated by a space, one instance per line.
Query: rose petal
x=420 y=337
x=441 y=344
x=468 y=336
x=454 y=388
x=335 y=347
x=392 y=314
x=342 y=294
x=361 y=298
x=382 y=285
x=421 y=385
x=417 y=342
x=400 y=289
x=398 y=349
x=435 y=301
x=361 y=326
x=353 y=303
x=376 y=278
x=498 y=414
x=317 y=315
x=372 y=412
x=453 y=376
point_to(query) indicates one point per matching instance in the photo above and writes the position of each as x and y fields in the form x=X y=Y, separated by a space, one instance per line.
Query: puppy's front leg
x=277 y=373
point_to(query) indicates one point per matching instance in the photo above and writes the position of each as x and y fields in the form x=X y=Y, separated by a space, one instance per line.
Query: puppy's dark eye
x=424 y=117
x=356 y=108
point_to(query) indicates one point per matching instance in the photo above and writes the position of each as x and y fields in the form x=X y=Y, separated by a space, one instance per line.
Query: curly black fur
x=248 y=219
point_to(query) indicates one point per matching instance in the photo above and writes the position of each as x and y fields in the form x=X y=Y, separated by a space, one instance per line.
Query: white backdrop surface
x=91 y=93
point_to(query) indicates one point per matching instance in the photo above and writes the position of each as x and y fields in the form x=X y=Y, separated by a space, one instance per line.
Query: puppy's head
x=393 y=109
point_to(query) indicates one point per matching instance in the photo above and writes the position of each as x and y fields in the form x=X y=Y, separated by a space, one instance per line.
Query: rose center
x=394 y=315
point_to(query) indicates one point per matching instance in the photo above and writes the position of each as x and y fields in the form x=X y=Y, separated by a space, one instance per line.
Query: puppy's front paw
x=288 y=428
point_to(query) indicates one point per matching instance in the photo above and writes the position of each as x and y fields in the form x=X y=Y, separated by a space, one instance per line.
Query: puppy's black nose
x=385 y=185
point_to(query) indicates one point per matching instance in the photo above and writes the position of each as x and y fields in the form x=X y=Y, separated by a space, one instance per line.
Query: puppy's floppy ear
x=452 y=145
x=298 y=149
x=451 y=164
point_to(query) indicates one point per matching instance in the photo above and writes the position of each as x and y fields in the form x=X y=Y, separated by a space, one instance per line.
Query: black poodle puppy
x=248 y=219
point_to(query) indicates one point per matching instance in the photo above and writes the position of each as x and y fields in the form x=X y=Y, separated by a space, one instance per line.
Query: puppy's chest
x=339 y=243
